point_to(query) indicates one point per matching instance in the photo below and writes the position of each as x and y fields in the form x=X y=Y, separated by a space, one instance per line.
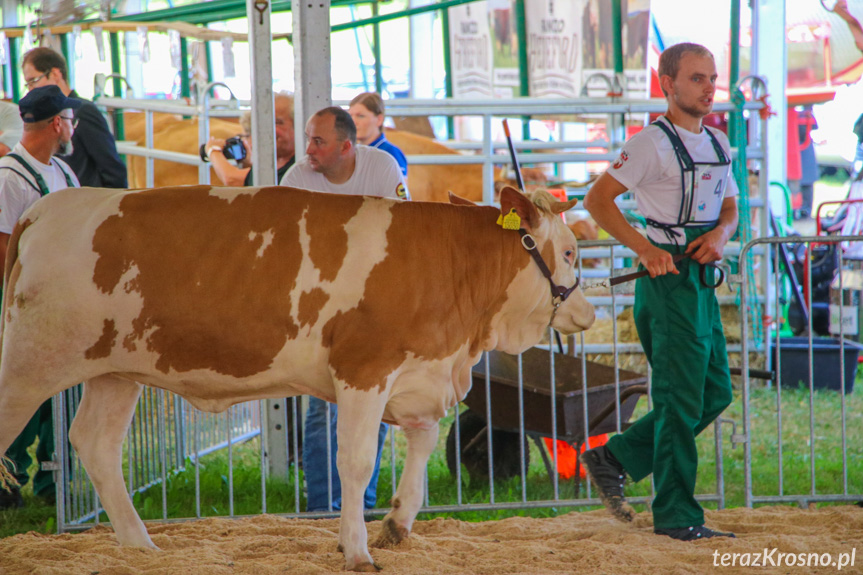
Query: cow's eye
x=569 y=256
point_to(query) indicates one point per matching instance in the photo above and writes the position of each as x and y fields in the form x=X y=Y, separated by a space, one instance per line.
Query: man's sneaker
x=11 y=499
x=608 y=475
x=692 y=533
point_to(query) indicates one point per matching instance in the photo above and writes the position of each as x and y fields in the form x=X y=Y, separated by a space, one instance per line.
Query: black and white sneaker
x=609 y=476
x=692 y=533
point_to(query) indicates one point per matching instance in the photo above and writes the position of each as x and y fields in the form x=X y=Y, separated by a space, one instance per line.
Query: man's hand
x=708 y=248
x=656 y=261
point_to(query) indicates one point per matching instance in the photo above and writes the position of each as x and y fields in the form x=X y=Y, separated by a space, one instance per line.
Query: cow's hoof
x=391 y=534
x=364 y=567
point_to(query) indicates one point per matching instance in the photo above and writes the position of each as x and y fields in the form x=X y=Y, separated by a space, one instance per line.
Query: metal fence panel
x=820 y=364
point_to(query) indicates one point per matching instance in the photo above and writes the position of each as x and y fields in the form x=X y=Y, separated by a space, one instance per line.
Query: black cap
x=43 y=103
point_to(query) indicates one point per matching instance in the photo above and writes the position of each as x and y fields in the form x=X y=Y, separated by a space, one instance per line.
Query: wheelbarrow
x=536 y=383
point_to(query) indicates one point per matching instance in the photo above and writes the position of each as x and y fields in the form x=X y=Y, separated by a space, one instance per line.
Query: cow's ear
x=459 y=201
x=512 y=199
x=560 y=207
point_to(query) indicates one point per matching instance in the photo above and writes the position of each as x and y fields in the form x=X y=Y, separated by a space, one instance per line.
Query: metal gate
x=806 y=463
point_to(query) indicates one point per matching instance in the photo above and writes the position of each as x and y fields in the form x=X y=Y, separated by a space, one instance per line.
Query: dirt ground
x=585 y=543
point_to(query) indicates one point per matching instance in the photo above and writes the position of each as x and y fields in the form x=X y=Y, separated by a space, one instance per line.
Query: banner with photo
x=598 y=42
x=554 y=47
x=507 y=81
x=470 y=51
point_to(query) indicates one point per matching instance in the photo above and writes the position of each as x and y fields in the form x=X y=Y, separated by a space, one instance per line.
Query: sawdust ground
x=585 y=543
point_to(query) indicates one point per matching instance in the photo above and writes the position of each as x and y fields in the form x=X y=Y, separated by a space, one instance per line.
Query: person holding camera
x=239 y=149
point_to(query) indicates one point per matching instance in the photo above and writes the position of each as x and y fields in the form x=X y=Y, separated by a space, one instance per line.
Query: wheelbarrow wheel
x=474 y=449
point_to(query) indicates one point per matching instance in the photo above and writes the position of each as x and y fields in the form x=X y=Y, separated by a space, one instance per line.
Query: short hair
x=288 y=97
x=344 y=124
x=44 y=60
x=372 y=102
x=669 y=60
x=246 y=118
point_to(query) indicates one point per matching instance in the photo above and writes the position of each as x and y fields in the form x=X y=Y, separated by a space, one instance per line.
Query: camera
x=233 y=150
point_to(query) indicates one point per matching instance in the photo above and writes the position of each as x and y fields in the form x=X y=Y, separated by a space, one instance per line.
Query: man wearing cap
x=94 y=158
x=27 y=173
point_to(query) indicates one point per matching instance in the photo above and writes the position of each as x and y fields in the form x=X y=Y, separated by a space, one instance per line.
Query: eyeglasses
x=32 y=81
x=72 y=120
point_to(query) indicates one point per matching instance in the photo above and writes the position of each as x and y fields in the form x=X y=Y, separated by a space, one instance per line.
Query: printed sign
x=554 y=47
x=470 y=51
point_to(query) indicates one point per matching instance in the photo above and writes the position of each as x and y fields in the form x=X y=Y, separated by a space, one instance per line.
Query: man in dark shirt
x=94 y=157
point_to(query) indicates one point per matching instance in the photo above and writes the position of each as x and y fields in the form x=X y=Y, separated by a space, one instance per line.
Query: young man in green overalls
x=679 y=173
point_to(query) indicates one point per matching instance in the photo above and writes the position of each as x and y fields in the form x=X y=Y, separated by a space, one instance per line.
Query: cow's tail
x=7 y=479
x=8 y=280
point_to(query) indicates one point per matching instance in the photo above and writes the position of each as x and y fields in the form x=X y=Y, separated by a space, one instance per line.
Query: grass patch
x=443 y=489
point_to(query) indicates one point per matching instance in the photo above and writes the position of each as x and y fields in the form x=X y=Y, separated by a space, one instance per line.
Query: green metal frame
x=447 y=64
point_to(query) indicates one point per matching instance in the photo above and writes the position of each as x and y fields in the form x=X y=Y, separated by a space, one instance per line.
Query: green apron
x=680 y=328
x=41 y=425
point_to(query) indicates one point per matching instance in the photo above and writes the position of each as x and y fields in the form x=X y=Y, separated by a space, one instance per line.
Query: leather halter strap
x=558 y=293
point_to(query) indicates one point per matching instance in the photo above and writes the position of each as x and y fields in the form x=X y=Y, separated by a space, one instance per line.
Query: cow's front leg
x=409 y=495
x=358 y=423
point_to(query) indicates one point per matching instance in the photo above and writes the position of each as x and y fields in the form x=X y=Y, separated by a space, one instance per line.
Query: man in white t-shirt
x=680 y=174
x=27 y=173
x=334 y=163
x=30 y=170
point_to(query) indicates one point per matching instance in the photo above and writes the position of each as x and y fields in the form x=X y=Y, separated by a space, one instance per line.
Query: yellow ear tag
x=511 y=221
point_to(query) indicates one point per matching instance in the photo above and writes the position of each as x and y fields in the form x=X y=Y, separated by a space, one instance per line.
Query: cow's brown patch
x=329 y=243
x=210 y=300
x=105 y=343
x=311 y=303
x=129 y=342
x=423 y=298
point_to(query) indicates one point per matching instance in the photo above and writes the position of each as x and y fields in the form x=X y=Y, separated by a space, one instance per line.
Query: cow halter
x=559 y=293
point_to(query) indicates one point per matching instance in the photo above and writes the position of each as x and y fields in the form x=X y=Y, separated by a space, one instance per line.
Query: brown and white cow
x=225 y=295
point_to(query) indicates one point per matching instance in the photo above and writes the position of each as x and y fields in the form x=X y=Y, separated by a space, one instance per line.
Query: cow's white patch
x=367 y=246
x=231 y=194
x=266 y=241
x=422 y=390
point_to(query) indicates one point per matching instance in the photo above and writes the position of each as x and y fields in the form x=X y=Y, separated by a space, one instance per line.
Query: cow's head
x=556 y=247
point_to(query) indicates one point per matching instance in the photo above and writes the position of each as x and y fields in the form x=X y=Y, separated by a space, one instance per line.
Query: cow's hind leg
x=97 y=433
x=408 y=498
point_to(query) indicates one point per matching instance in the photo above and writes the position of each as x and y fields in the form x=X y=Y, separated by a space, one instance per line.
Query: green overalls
x=41 y=425
x=678 y=322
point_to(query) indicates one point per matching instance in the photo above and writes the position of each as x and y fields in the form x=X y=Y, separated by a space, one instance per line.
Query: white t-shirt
x=376 y=173
x=19 y=189
x=648 y=166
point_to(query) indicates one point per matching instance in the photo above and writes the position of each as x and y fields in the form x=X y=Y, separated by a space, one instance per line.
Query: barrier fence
x=820 y=363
